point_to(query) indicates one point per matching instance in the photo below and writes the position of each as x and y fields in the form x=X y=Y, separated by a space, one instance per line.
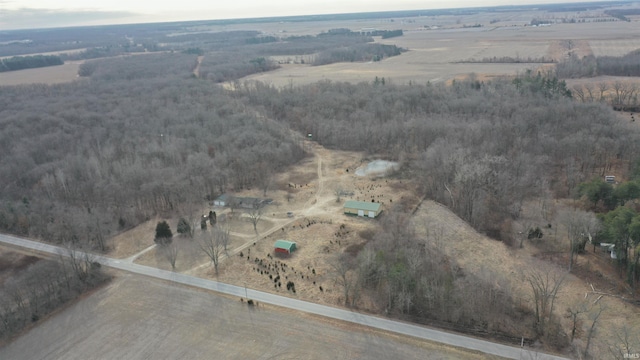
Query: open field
x=139 y=318
x=435 y=55
x=46 y=75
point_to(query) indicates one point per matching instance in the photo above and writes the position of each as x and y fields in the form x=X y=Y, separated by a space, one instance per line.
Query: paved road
x=322 y=310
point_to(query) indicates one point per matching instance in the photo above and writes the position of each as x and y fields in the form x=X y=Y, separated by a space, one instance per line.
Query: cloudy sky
x=53 y=13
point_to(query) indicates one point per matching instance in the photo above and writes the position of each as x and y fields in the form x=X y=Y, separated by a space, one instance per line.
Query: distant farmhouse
x=240 y=202
x=362 y=208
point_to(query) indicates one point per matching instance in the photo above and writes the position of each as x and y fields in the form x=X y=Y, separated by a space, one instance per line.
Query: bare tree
x=544 y=286
x=338 y=192
x=626 y=340
x=255 y=214
x=344 y=276
x=79 y=261
x=170 y=251
x=588 y=87
x=223 y=235
x=266 y=177
x=592 y=329
x=574 y=313
x=578 y=92
x=602 y=87
x=212 y=243
x=581 y=226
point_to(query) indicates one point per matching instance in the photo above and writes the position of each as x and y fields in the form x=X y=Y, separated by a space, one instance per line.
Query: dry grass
x=47 y=75
x=319 y=227
x=13 y=261
x=478 y=254
x=433 y=54
x=136 y=317
x=131 y=242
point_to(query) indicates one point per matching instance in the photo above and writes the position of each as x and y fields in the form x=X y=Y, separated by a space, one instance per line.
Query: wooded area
x=480 y=148
x=589 y=66
x=29 y=62
x=40 y=288
x=83 y=160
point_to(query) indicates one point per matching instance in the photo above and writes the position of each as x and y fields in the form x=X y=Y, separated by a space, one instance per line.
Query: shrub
x=183 y=227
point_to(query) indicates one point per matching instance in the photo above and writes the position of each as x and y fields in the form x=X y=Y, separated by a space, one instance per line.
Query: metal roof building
x=284 y=246
x=362 y=208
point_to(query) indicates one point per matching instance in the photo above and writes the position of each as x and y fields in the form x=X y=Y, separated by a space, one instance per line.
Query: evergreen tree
x=163 y=233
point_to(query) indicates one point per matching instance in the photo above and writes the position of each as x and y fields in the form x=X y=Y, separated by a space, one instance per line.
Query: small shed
x=362 y=208
x=221 y=200
x=284 y=247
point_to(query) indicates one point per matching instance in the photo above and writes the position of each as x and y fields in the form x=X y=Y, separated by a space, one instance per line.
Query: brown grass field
x=435 y=55
x=47 y=75
x=139 y=318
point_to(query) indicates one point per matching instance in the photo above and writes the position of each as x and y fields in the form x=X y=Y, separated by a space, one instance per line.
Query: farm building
x=362 y=208
x=284 y=247
x=240 y=202
x=221 y=200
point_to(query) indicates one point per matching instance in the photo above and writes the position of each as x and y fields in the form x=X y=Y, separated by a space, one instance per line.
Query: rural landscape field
x=475 y=172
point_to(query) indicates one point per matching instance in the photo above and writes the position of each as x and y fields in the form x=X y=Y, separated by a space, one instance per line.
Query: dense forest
x=81 y=160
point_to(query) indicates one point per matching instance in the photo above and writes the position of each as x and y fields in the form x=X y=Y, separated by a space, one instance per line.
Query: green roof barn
x=284 y=246
x=362 y=208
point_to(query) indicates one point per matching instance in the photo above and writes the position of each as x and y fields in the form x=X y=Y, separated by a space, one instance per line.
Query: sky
x=54 y=13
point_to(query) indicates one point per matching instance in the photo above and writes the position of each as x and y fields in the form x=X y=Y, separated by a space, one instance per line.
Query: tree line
x=29 y=62
x=33 y=293
x=356 y=53
x=620 y=95
x=590 y=66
